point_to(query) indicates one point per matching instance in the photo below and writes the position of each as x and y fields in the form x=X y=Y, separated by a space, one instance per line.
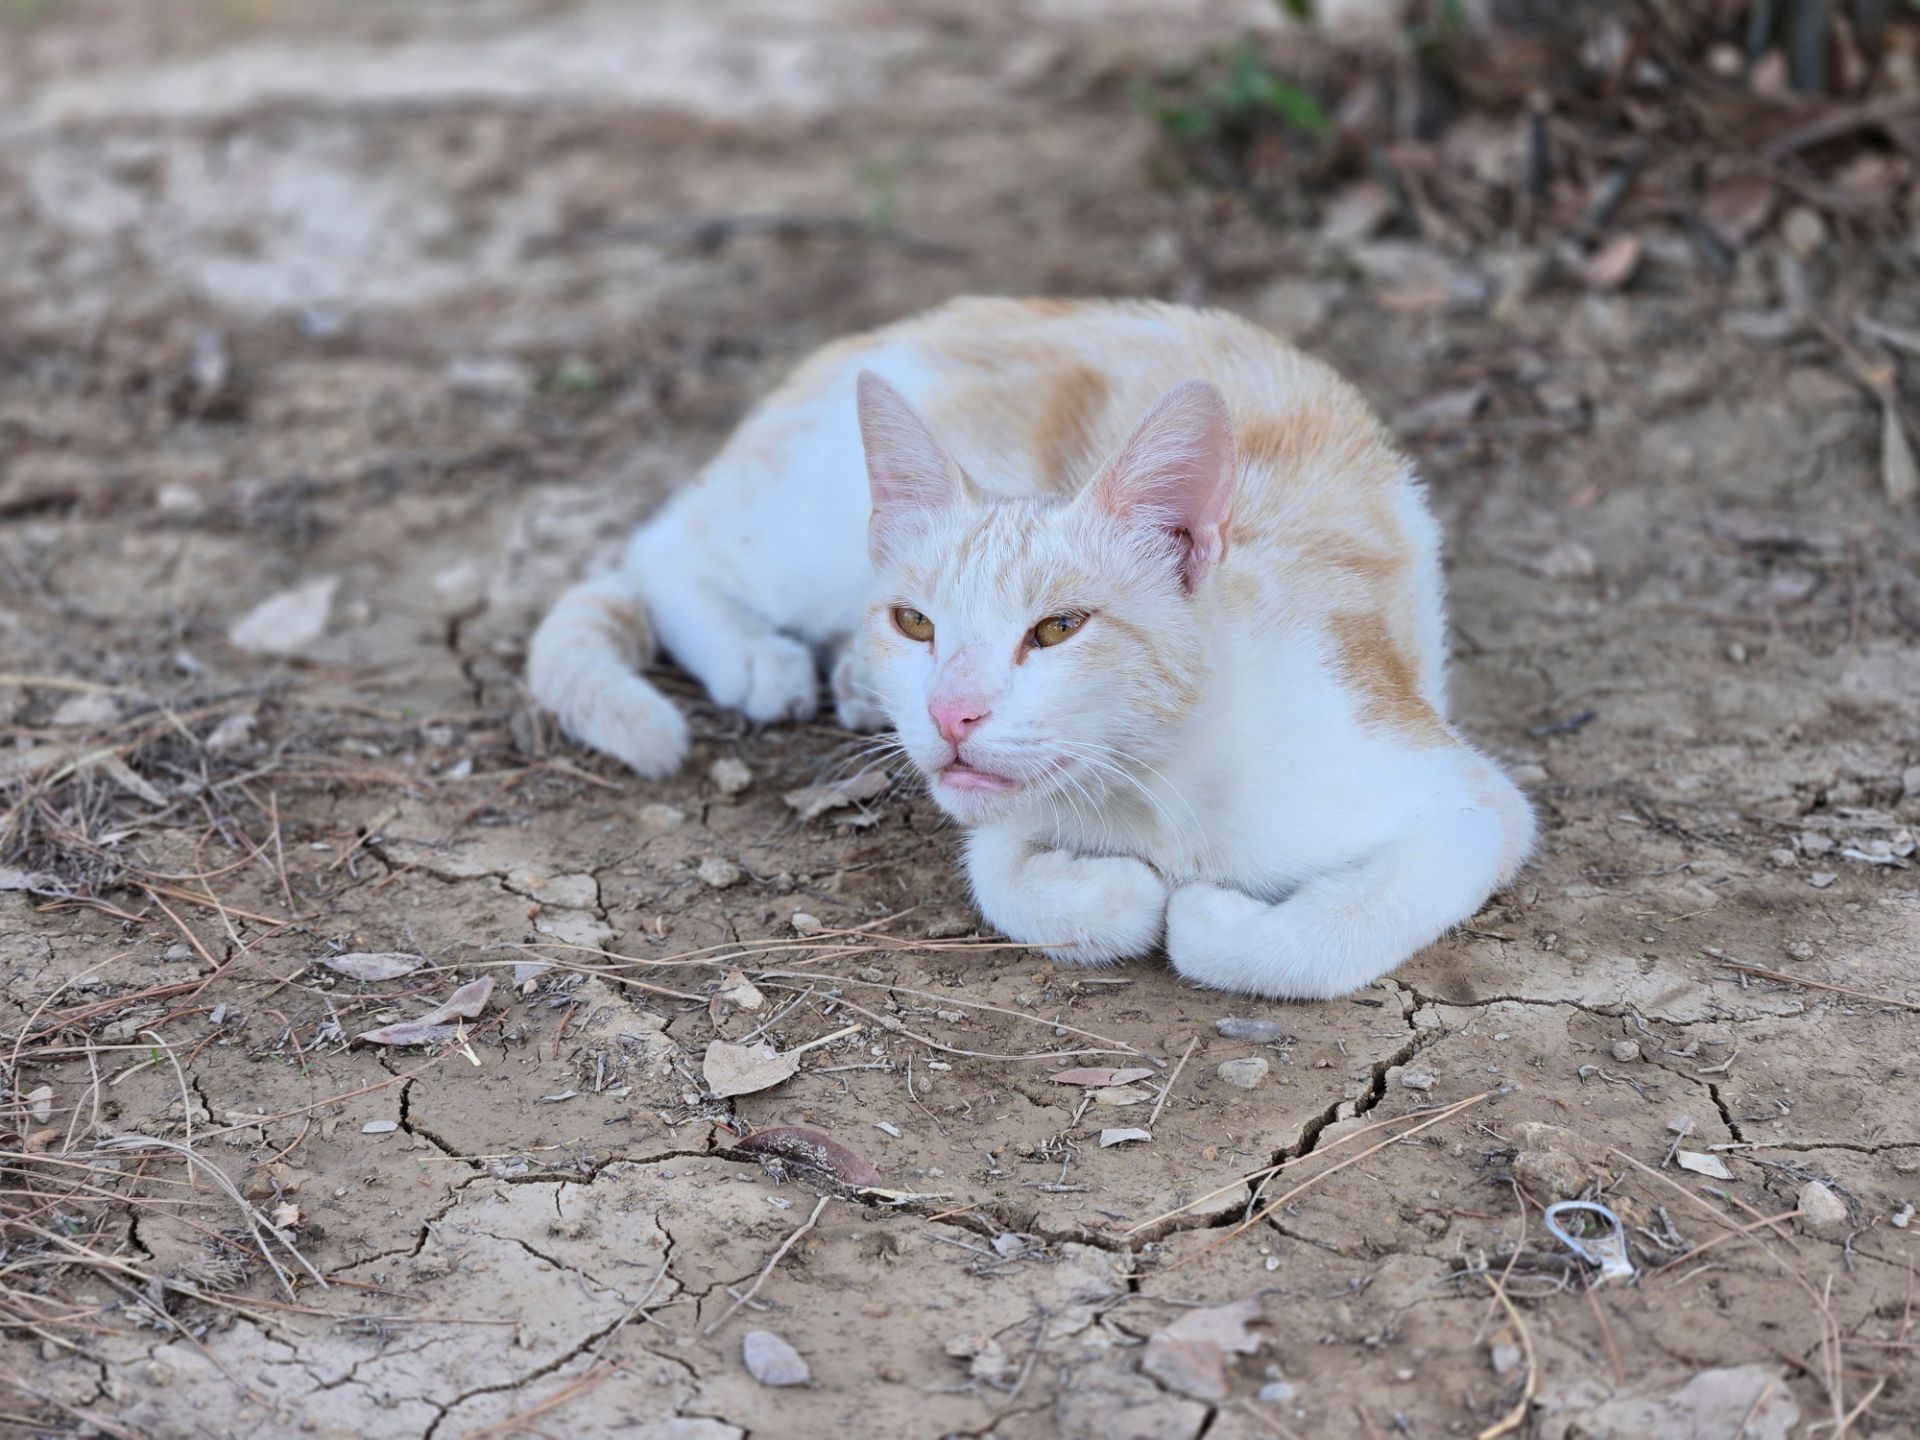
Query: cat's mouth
x=962 y=776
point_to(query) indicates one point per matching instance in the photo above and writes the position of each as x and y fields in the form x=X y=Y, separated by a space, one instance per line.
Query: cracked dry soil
x=413 y=300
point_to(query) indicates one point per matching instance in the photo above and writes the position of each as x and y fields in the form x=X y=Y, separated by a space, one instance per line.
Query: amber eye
x=912 y=624
x=1055 y=628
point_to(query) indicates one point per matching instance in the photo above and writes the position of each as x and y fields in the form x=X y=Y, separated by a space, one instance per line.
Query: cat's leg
x=1083 y=909
x=1345 y=928
x=744 y=662
x=855 y=701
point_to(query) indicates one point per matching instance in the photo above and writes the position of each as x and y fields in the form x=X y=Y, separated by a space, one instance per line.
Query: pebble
x=730 y=776
x=1821 y=879
x=1910 y=783
x=1529 y=775
x=1626 y=1051
x=1551 y=1171
x=718 y=872
x=1799 y=950
x=1812 y=842
x=1821 y=1208
x=379 y=1127
x=1260 y=1032
x=1781 y=856
x=1506 y=1357
x=772 y=1361
x=1902 y=1217
x=662 y=817
x=1416 y=1079
x=1276 y=1392
x=1243 y=1074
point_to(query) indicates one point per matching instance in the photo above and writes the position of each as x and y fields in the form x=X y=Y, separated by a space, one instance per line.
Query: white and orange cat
x=1151 y=600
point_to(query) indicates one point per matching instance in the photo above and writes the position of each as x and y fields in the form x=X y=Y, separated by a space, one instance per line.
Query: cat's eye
x=912 y=624
x=1055 y=628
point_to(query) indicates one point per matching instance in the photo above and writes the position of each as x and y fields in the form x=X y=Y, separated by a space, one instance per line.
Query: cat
x=1151 y=601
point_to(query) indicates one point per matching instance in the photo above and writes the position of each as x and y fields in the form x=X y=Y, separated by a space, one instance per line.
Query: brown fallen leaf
x=1613 y=264
x=814 y=801
x=1191 y=1354
x=811 y=1152
x=385 y=965
x=731 y=1069
x=1099 y=1076
x=431 y=1028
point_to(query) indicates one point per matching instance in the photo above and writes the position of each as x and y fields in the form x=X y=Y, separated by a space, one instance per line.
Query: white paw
x=1094 y=911
x=631 y=721
x=1215 y=938
x=781 y=683
x=854 y=703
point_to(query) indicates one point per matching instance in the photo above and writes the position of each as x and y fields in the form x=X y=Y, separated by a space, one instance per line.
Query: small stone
x=1529 y=775
x=1505 y=1357
x=1782 y=857
x=1902 y=1217
x=1737 y=653
x=1416 y=1079
x=1551 y=1172
x=1276 y=1392
x=1243 y=1074
x=1812 y=842
x=718 y=872
x=805 y=924
x=379 y=1127
x=1626 y=1051
x=1260 y=1032
x=1821 y=1208
x=1700 y=1162
x=772 y=1361
x=1804 y=231
x=1821 y=879
x=1910 y=783
x=1799 y=950
x=662 y=817
x=729 y=776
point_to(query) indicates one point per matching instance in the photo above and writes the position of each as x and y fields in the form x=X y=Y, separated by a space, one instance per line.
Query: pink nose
x=954 y=718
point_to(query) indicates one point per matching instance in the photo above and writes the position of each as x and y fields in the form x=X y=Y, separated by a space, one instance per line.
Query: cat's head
x=1031 y=651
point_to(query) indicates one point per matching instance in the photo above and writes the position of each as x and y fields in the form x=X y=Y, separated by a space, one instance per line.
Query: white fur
x=1270 y=836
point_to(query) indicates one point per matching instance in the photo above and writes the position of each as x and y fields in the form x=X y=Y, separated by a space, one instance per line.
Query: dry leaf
x=815 y=800
x=1613 y=264
x=1191 y=1354
x=465 y=1003
x=799 y=1147
x=385 y=965
x=1899 y=472
x=772 y=1361
x=286 y=1215
x=1701 y=1163
x=742 y=1069
x=1099 y=1076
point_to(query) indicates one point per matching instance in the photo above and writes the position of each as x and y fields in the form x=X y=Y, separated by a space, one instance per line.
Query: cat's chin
x=974 y=796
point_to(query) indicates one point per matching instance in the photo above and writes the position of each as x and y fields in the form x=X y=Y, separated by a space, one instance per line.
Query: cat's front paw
x=1215 y=939
x=1088 y=910
x=781 y=681
x=855 y=703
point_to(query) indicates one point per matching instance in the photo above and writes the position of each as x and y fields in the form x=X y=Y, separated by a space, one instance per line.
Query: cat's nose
x=955 y=718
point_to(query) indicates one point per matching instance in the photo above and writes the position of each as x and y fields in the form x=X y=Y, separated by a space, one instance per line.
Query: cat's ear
x=908 y=470
x=1175 y=475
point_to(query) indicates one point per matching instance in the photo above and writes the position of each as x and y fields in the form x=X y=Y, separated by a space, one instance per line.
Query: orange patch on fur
x=1067 y=429
x=1390 y=699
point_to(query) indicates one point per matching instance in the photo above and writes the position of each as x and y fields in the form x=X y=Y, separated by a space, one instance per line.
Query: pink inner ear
x=1175 y=474
x=908 y=471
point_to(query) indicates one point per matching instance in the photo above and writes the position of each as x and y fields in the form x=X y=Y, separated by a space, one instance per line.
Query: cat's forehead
x=1016 y=554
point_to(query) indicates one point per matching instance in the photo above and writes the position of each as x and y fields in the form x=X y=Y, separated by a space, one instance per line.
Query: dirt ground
x=405 y=315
